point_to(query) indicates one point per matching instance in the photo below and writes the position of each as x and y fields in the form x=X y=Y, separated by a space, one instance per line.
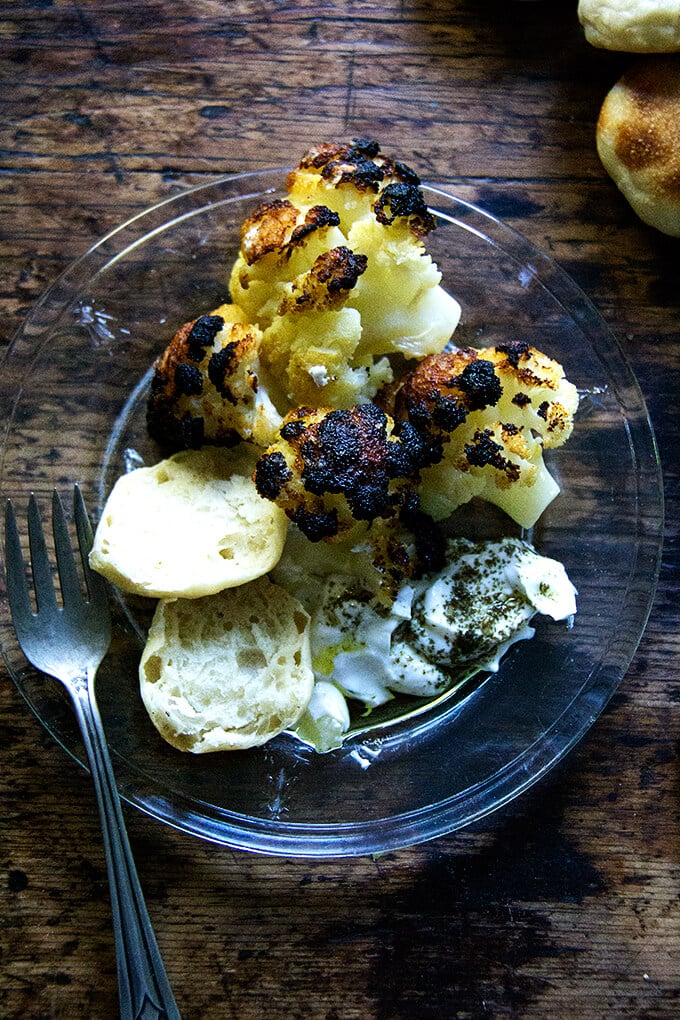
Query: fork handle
x=143 y=986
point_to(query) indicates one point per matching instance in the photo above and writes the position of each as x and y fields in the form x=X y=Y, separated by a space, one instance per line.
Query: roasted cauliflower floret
x=492 y=413
x=311 y=346
x=355 y=180
x=326 y=284
x=336 y=471
x=279 y=243
x=347 y=239
x=206 y=385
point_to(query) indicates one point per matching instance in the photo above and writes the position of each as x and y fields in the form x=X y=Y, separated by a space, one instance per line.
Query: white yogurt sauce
x=438 y=628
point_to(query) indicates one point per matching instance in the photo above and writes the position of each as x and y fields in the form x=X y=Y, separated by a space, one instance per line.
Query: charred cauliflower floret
x=325 y=286
x=341 y=262
x=206 y=386
x=335 y=471
x=357 y=180
x=492 y=413
x=312 y=346
x=279 y=243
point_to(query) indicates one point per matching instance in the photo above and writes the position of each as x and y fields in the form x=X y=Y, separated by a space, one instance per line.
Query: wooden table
x=564 y=903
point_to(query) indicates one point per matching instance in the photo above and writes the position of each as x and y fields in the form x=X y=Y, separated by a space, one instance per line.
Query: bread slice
x=229 y=671
x=189 y=526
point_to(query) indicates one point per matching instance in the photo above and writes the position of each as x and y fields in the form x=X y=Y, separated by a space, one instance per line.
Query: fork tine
x=17 y=586
x=95 y=583
x=83 y=526
x=40 y=565
x=68 y=576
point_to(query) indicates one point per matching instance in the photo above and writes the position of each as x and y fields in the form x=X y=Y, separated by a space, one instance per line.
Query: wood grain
x=564 y=902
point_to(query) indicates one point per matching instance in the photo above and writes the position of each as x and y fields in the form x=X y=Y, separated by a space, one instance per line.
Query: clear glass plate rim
x=642 y=438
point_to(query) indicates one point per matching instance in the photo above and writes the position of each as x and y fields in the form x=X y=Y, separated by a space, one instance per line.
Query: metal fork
x=68 y=642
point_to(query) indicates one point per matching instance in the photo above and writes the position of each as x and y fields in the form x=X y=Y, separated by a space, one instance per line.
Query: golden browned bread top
x=638 y=139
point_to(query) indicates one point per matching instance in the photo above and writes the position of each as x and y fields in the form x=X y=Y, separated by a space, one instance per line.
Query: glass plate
x=73 y=386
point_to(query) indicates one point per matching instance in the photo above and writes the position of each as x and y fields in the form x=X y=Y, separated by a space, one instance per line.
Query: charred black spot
x=362 y=173
x=323 y=216
x=510 y=429
x=369 y=500
x=315 y=526
x=448 y=413
x=271 y=474
x=514 y=350
x=340 y=268
x=484 y=451
x=292 y=430
x=415 y=450
x=403 y=199
x=318 y=216
x=418 y=413
x=543 y=409
x=358 y=163
x=479 y=382
x=347 y=453
x=521 y=399
x=220 y=365
x=332 y=450
x=171 y=432
x=202 y=334
x=405 y=173
x=365 y=147
x=188 y=379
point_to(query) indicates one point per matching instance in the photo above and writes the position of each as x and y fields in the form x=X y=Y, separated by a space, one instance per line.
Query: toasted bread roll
x=632 y=26
x=189 y=526
x=229 y=671
x=638 y=140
